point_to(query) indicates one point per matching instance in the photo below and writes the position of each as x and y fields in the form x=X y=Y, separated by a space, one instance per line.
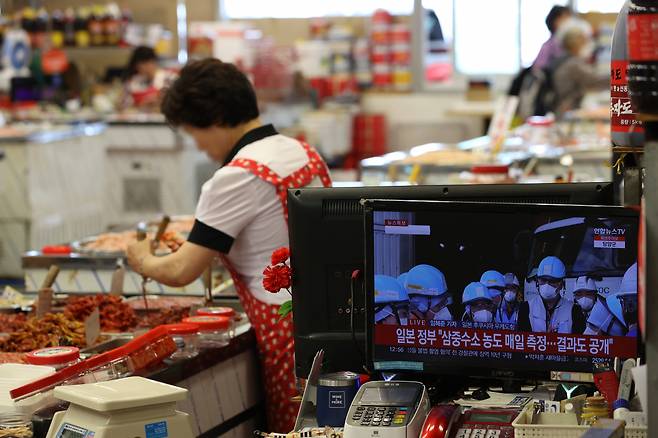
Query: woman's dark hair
x=553 y=15
x=139 y=55
x=210 y=92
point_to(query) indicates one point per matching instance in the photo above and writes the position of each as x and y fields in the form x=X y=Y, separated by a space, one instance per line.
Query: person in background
x=478 y=304
x=145 y=79
x=551 y=49
x=508 y=311
x=572 y=74
x=550 y=311
x=585 y=294
x=616 y=315
x=428 y=294
x=495 y=281
x=241 y=215
x=391 y=301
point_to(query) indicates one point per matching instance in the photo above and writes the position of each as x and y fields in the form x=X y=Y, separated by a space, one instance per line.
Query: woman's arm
x=176 y=270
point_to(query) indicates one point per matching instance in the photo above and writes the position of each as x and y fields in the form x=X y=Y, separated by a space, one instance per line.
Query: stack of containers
x=362 y=69
x=401 y=56
x=342 y=78
x=369 y=138
x=380 y=35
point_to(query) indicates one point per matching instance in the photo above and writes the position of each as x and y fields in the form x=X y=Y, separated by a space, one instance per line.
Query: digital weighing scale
x=133 y=407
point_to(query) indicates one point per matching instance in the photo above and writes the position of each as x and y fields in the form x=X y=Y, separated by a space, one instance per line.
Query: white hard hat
x=585 y=283
x=426 y=280
x=552 y=267
x=628 y=284
x=511 y=280
x=475 y=291
x=389 y=290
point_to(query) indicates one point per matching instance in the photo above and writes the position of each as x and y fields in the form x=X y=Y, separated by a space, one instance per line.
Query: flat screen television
x=327 y=241
x=497 y=289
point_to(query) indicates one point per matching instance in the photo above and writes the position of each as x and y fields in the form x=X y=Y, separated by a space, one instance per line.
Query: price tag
x=92 y=327
x=118 y=276
x=44 y=301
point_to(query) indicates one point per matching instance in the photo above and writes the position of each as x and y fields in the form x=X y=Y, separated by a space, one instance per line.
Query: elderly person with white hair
x=572 y=75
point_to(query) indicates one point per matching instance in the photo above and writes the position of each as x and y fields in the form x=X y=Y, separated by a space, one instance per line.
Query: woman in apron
x=242 y=211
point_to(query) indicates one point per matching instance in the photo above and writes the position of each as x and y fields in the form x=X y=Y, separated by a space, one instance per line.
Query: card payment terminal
x=387 y=410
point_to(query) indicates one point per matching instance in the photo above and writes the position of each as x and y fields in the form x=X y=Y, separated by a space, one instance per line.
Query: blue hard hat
x=493 y=279
x=402 y=278
x=426 y=280
x=475 y=291
x=552 y=267
x=389 y=290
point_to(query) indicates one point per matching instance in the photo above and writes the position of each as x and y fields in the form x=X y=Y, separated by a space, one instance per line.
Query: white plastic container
x=13 y=375
x=213 y=330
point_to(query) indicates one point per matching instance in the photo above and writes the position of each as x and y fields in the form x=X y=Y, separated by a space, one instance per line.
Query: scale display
x=71 y=431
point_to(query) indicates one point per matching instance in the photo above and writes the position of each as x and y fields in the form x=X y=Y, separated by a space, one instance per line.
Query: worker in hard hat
x=617 y=314
x=550 y=311
x=428 y=294
x=508 y=311
x=391 y=301
x=585 y=294
x=478 y=303
x=495 y=281
x=402 y=278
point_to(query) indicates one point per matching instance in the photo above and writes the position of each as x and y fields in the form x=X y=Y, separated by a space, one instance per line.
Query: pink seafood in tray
x=164 y=302
x=118 y=242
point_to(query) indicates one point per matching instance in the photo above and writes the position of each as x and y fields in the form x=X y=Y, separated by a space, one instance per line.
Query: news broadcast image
x=522 y=291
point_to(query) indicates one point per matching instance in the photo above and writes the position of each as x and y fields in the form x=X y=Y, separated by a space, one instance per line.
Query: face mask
x=510 y=296
x=547 y=291
x=420 y=303
x=585 y=303
x=482 y=316
x=443 y=315
x=404 y=320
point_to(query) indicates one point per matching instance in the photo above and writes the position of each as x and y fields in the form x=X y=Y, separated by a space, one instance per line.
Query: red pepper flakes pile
x=115 y=315
x=11 y=322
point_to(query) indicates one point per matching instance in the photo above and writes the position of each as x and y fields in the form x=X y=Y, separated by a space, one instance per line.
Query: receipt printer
x=387 y=410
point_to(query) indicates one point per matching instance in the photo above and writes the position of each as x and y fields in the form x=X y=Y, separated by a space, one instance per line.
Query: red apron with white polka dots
x=274 y=337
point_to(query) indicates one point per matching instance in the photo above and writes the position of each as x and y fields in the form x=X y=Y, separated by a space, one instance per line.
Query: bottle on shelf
x=81 y=26
x=112 y=25
x=57 y=29
x=69 y=27
x=96 y=26
x=40 y=28
x=28 y=22
x=126 y=19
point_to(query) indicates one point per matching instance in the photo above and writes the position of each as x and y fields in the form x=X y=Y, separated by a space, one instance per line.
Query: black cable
x=355 y=276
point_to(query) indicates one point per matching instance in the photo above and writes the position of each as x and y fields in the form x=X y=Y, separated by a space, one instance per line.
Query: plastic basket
x=636 y=432
x=524 y=429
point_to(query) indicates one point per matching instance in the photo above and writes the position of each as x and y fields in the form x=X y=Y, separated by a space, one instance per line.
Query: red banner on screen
x=506 y=341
